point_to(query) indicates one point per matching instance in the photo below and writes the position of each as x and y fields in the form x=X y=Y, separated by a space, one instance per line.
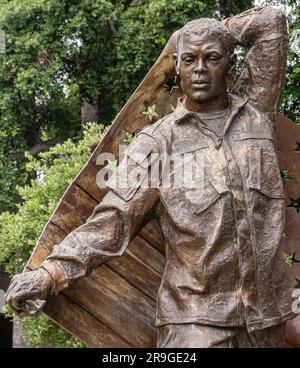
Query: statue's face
x=203 y=65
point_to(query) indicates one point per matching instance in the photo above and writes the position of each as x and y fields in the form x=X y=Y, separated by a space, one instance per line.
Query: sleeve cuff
x=57 y=274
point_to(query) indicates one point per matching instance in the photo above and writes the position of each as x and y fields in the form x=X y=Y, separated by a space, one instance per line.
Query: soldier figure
x=225 y=283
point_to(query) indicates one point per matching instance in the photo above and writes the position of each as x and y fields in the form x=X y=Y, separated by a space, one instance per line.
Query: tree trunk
x=89 y=111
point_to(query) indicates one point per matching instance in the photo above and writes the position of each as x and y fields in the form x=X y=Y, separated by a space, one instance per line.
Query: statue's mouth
x=202 y=83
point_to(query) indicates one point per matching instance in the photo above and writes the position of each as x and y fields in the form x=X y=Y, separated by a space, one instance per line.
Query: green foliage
x=295 y=203
x=56 y=168
x=232 y=7
x=19 y=231
x=41 y=332
x=150 y=112
x=290 y=259
x=128 y=138
x=31 y=95
x=285 y=176
x=291 y=101
x=55 y=54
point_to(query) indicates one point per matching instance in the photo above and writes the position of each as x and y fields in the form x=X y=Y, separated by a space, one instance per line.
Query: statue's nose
x=200 y=65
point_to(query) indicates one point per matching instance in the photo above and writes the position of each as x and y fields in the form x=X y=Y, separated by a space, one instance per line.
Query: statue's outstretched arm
x=105 y=235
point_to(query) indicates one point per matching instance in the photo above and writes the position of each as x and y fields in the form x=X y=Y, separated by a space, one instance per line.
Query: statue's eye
x=188 y=60
x=213 y=59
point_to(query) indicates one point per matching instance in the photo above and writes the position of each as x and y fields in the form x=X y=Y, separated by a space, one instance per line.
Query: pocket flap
x=187 y=146
x=201 y=201
x=239 y=136
x=264 y=175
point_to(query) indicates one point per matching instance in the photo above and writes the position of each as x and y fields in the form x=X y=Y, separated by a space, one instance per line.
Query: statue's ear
x=175 y=57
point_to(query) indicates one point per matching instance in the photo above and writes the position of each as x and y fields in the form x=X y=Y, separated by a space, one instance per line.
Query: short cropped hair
x=203 y=26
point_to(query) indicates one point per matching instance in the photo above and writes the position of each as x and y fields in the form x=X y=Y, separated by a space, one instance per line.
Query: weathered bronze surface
x=224 y=264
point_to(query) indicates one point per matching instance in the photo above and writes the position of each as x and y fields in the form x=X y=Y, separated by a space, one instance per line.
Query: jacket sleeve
x=263 y=30
x=114 y=222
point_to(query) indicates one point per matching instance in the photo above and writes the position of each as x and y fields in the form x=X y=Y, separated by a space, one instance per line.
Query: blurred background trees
x=68 y=62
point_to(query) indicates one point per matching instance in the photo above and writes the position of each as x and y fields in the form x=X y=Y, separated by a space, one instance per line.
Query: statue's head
x=204 y=59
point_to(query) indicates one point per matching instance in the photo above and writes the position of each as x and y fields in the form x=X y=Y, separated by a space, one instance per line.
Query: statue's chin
x=204 y=97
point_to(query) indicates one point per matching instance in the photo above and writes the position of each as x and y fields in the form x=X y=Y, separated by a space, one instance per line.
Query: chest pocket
x=259 y=163
x=203 y=176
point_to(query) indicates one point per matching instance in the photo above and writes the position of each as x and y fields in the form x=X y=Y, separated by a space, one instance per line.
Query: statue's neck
x=219 y=103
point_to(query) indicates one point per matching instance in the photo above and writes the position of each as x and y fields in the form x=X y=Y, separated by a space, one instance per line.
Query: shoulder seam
x=154 y=128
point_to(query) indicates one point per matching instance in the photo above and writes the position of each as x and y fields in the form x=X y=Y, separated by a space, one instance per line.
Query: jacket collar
x=181 y=113
x=236 y=104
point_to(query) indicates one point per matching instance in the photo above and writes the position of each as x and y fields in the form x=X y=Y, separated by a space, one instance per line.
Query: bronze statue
x=225 y=283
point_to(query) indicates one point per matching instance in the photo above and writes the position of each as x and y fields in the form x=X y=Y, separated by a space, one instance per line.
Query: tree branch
x=112 y=28
x=43 y=146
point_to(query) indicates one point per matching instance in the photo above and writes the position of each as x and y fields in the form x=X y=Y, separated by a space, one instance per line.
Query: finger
x=15 y=290
x=31 y=309
x=26 y=310
x=16 y=303
x=9 y=296
x=22 y=314
x=14 y=280
x=9 y=291
x=25 y=313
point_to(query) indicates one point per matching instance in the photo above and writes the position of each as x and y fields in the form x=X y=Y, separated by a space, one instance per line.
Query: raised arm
x=105 y=235
x=263 y=30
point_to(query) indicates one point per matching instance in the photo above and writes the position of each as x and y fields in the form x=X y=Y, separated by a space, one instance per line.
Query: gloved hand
x=28 y=291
